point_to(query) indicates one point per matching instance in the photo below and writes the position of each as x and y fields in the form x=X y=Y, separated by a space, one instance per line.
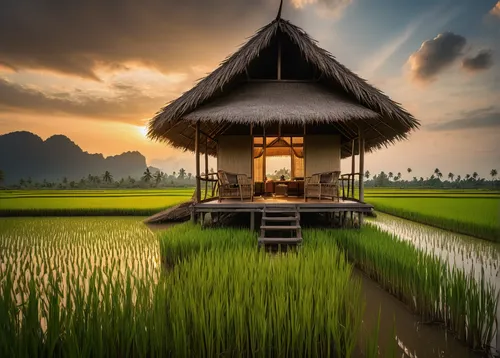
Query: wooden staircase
x=280 y=226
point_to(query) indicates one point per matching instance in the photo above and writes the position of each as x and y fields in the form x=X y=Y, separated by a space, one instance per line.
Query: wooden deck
x=259 y=203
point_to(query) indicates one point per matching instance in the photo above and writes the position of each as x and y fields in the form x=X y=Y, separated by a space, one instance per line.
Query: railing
x=348 y=180
x=211 y=181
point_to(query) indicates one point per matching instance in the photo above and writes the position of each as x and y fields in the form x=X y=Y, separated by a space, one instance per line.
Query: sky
x=97 y=71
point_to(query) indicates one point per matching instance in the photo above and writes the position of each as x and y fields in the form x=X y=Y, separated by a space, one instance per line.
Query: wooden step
x=279 y=240
x=279 y=218
x=280 y=211
x=277 y=227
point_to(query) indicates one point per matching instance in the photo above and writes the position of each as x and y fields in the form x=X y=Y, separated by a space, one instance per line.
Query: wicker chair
x=322 y=185
x=232 y=186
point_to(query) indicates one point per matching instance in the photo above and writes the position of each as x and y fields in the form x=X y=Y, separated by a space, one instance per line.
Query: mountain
x=24 y=155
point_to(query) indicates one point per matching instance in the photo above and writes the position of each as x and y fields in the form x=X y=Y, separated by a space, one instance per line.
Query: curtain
x=258 y=168
x=298 y=166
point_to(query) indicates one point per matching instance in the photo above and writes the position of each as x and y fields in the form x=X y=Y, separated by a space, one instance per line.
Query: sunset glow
x=440 y=60
x=143 y=130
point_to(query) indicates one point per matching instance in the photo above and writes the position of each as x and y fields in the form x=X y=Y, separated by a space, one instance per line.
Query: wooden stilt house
x=281 y=94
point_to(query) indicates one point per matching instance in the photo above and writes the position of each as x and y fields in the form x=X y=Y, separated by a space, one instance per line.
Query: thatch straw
x=212 y=101
x=281 y=101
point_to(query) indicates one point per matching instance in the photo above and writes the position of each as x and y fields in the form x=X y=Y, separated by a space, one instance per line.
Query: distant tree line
x=435 y=180
x=149 y=179
x=180 y=178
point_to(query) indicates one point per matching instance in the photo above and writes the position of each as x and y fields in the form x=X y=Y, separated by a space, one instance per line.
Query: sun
x=143 y=130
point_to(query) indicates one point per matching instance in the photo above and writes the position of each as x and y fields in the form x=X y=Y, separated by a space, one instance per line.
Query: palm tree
x=475 y=175
x=147 y=176
x=467 y=176
x=409 y=170
x=450 y=176
x=21 y=182
x=439 y=175
x=367 y=174
x=158 y=177
x=436 y=171
x=390 y=175
x=182 y=173
x=107 y=177
x=493 y=174
x=189 y=176
x=459 y=177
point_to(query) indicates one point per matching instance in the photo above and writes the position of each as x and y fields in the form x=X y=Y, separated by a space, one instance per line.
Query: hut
x=281 y=94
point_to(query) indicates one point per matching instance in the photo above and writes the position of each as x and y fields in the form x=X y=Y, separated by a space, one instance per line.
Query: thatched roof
x=292 y=102
x=338 y=97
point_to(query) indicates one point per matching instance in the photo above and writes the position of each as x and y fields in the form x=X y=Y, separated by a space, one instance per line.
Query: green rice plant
x=93 y=287
x=285 y=305
x=424 y=283
x=475 y=217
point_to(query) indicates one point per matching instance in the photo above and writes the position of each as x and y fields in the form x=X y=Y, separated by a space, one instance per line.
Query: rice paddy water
x=479 y=257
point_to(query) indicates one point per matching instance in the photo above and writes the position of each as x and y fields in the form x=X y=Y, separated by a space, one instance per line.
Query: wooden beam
x=202 y=132
x=197 y=153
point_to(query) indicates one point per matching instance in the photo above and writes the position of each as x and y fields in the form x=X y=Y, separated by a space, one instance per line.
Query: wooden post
x=304 y=155
x=206 y=167
x=252 y=220
x=361 y=165
x=264 y=146
x=252 y=149
x=197 y=153
x=361 y=173
x=353 y=166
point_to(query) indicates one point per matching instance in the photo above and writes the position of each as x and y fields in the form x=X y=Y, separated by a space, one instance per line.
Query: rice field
x=90 y=202
x=464 y=252
x=452 y=297
x=95 y=287
x=65 y=282
x=478 y=217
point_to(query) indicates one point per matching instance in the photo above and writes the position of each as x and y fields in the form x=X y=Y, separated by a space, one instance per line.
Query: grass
x=477 y=217
x=93 y=287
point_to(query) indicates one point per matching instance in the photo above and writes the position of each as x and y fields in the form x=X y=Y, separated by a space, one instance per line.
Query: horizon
x=98 y=87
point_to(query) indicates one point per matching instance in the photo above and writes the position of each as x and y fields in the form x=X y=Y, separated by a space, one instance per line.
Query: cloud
x=324 y=7
x=439 y=15
x=481 y=61
x=495 y=11
x=488 y=117
x=84 y=37
x=129 y=104
x=435 y=55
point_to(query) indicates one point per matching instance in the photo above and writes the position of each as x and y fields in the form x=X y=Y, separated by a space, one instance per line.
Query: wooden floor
x=259 y=203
